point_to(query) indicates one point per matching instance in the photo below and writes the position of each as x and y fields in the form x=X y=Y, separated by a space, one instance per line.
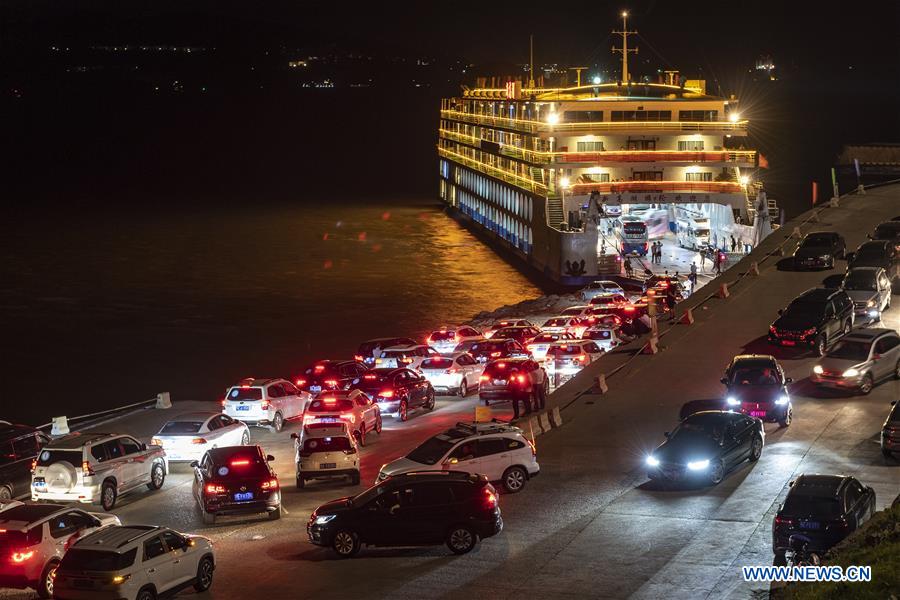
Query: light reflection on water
x=190 y=303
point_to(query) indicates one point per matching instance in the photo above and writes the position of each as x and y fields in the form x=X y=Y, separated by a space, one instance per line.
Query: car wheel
x=108 y=495
x=717 y=473
x=354 y=478
x=822 y=345
x=461 y=539
x=45 y=585
x=5 y=494
x=756 y=448
x=208 y=517
x=787 y=418
x=278 y=422
x=514 y=479
x=274 y=515
x=204 y=575
x=245 y=439
x=379 y=425
x=463 y=388
x=429 y=399
x=361 y=435
x=157 y=477
x=403 y=410
x=146 y=594
x=867 y=384
x=345 y=543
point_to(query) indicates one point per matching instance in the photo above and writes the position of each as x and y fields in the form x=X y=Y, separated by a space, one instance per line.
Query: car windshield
x=565 y=349
x=78 y=559
x=547 y=337
x=755 y=376
x=176 y=427
x=850 y=350
x=395 y=353
x=440 y=336
x=555 y=322
x=573 y=312
x=431 y=451
x=700 y=426
x=816 y=241
x=330 y=405
x=602 y=334
x=437 y=363
x=488 y=346
x=319 y=370
x=507 y=333
x=238 y=465
x=870 y=251
x=861 y=281
x=48 y=456
x=805 y=311
x=245 y=393
x=887 y=231
x=327 y=444
x=812 y=506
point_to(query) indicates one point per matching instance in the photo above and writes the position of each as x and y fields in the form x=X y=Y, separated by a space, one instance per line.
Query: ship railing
x=507 y=176
x=739 y=127
x=688 y=187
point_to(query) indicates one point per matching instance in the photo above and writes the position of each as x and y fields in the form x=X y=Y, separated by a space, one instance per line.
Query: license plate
x=499 y=382
x=83 y=583
x=758 y=413
x=788 y=343
x=328 y=419
x=242 y=497
x=242 y=407
x=810 y=525
x=39 y=484
x=327 y=465
x=315 y=388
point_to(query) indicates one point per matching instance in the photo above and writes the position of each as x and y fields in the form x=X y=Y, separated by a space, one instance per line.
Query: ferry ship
x=541 y=172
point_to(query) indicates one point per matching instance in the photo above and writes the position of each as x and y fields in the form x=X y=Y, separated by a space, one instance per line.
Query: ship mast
x=531 y=61
x=624 y=50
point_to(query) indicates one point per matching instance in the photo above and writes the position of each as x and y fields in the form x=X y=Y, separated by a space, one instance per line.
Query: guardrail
x=518 y=180
x=60 y=425
x=687 y=187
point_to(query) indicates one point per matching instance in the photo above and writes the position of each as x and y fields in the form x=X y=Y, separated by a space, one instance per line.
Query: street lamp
x=734 y=117
x=597 y=80
x=553 y=118
x=744 y=180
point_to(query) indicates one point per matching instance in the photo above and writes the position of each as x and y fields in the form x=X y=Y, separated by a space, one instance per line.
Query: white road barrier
x=60 y=426
x=163 y=400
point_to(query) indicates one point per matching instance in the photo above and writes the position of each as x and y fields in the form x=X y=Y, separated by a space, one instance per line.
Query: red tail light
x=269 y=485
x=212 y=488
x=224 y=400
x=450 y=371
x=348 y=417
x=784 y=521
x=301 y=382
x=520 y=378
x=406 y=360
x=484 y=378
x=387 y=394
x=20 y=557
x=428 y=341
x=564 y=347
x=198 y=441
x=581 y=357
x=86 y=468
x=495 y=354
x=331 y=382
x=490 y=498
x=33 y=464
x=370 y=377
x=358 y=357
x=331 y=400
x=501 y=365
x=319 y=368
x=243 y=462
x=264 y=406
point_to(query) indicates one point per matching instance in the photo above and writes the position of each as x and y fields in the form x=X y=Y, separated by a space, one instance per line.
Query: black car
x=819 y=249
x=756 y=386
x=890 y=431
x=520 y=333
x=493 y=349
x=705 y=446
x=236 y=480
x=19 y=446
x=425 y=508
x=330 y=375
x=889 y=231
x=823 y=508
x=372 y=349
x=876 y=254
x=815 y=319
x=514 y=379
x=397 y=391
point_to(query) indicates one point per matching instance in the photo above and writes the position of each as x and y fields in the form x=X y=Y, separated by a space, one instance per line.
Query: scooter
x=798 y=553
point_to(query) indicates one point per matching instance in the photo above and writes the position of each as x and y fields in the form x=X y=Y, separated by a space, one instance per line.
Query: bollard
x=556 y=417
x=544 y=420
x=754 y=268
x=163 y=400
x=861 y=189
x=600 y=384
x=835 y=202
x=723 y=291
x=796 y=233
x=60 y=426
x=652 y=346
x=688 y=317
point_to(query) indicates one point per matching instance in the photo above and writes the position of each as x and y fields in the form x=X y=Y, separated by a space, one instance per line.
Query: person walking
x=720 y=260
x=629 y=270
x=670 y=301
x=703 y=259
x=526 y=401
x=733 y=243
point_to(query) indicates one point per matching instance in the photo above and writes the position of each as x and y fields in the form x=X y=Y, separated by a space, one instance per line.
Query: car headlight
x=732 y=401
x=783 y=400
x=818 y=370
x=851 y=373
x=870 y=303
x=321 y=520
x=652 y=461
x=698 y=465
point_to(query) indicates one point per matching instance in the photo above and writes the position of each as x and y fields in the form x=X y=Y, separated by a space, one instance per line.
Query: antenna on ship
x=624 y=50
x=578 y=71
x=531 y=60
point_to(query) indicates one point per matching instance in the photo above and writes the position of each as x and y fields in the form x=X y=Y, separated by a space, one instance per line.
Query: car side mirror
x=195 y=464
x=451 y=461
x=269 y=458
x=724 y=380
x=788 y=380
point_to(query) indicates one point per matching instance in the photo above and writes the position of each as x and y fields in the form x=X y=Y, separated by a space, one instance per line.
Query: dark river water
x=109 y=310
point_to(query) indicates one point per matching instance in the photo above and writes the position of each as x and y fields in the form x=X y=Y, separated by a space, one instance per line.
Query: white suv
x=137 y=562
x=408 y=357
x=597 y=288
x=498 y=450
x=326 y=451
x=36 y=536
x=446 y=339
x=96 y=467
x=265 y=402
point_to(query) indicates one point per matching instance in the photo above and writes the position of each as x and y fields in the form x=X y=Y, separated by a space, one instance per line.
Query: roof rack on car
x=492 y=426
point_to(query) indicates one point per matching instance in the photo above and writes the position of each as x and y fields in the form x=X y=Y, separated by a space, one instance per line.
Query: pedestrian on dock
x=527 y=404
x=733 y=243
x=703 y=259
